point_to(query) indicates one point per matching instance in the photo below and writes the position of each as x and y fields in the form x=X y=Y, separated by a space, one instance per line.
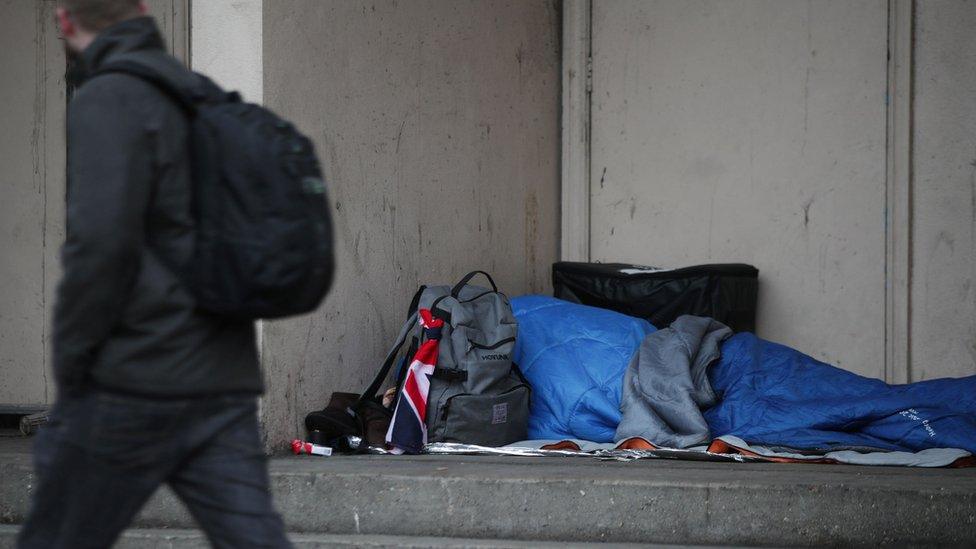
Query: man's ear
x=68 y=28
x=143 y=8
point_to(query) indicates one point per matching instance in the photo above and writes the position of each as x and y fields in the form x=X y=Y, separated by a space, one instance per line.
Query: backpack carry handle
x=456 y=291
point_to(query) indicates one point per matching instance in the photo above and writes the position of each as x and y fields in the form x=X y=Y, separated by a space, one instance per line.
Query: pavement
x=472 y=501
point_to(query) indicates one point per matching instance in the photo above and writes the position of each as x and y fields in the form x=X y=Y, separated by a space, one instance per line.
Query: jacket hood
x=137 y=40
x=132 y=35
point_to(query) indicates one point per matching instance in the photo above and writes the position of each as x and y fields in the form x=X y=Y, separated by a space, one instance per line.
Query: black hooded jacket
x=123 y=321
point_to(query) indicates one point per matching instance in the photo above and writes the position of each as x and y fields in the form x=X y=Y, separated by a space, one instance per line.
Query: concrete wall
x=227 y=44
x=31 y=195
x=759 y=131
x=943 y=321
x=437 y=124
x=750 y=131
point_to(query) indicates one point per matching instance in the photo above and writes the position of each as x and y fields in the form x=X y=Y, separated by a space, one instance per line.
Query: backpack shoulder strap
x=148 y=74
x=374 y=387
x=408 y=326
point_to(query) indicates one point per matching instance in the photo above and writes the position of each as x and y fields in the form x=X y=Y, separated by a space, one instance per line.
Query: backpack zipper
x=474 y=345
x=447 y=405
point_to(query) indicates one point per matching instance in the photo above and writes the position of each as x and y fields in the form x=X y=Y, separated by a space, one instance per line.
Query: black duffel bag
x=725 y=292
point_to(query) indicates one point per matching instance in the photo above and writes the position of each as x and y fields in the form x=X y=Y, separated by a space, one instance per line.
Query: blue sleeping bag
x=574 y=357
x=774 y=395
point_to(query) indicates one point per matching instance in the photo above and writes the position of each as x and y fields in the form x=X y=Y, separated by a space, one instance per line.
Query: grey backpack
x=477 y=395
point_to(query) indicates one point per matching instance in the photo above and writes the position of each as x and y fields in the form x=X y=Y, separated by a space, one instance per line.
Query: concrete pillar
x=226 y=39
x=437 y=123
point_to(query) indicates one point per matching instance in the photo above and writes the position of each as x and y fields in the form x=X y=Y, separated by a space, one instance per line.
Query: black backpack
x=263 y=232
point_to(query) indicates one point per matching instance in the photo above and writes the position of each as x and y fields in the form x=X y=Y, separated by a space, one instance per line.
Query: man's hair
x=95 y=15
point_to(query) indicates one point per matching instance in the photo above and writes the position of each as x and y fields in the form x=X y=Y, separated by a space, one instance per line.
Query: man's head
x=82 y=20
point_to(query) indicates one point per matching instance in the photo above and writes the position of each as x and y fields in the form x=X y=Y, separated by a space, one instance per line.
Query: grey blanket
x=666 y=385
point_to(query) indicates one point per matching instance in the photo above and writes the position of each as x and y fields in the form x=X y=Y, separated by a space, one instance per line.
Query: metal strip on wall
x=575 y=208
x=898 y=184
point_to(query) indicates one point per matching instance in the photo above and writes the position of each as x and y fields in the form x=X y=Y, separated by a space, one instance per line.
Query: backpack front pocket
x=487 y=420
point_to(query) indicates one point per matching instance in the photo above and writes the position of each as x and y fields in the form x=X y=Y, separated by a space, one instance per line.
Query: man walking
x=150 y=390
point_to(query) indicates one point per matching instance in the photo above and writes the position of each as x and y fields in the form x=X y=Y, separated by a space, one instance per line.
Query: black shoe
x=336 y=419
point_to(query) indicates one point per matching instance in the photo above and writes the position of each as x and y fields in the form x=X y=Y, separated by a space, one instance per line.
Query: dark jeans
x=103 y=455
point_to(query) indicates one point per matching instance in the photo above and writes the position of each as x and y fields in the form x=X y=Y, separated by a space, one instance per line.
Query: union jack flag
x=408 y=430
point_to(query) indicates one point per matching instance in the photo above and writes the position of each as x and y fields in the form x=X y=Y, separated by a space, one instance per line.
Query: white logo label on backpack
x=499 y=413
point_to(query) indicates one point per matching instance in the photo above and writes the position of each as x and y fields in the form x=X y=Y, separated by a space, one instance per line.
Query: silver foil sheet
x=450 y=448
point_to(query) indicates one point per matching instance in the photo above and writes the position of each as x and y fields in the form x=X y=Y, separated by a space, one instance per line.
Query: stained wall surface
x=438 y=126
x=750 y=131
x=943 y=321
x=32 y=186
x=31 y=195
